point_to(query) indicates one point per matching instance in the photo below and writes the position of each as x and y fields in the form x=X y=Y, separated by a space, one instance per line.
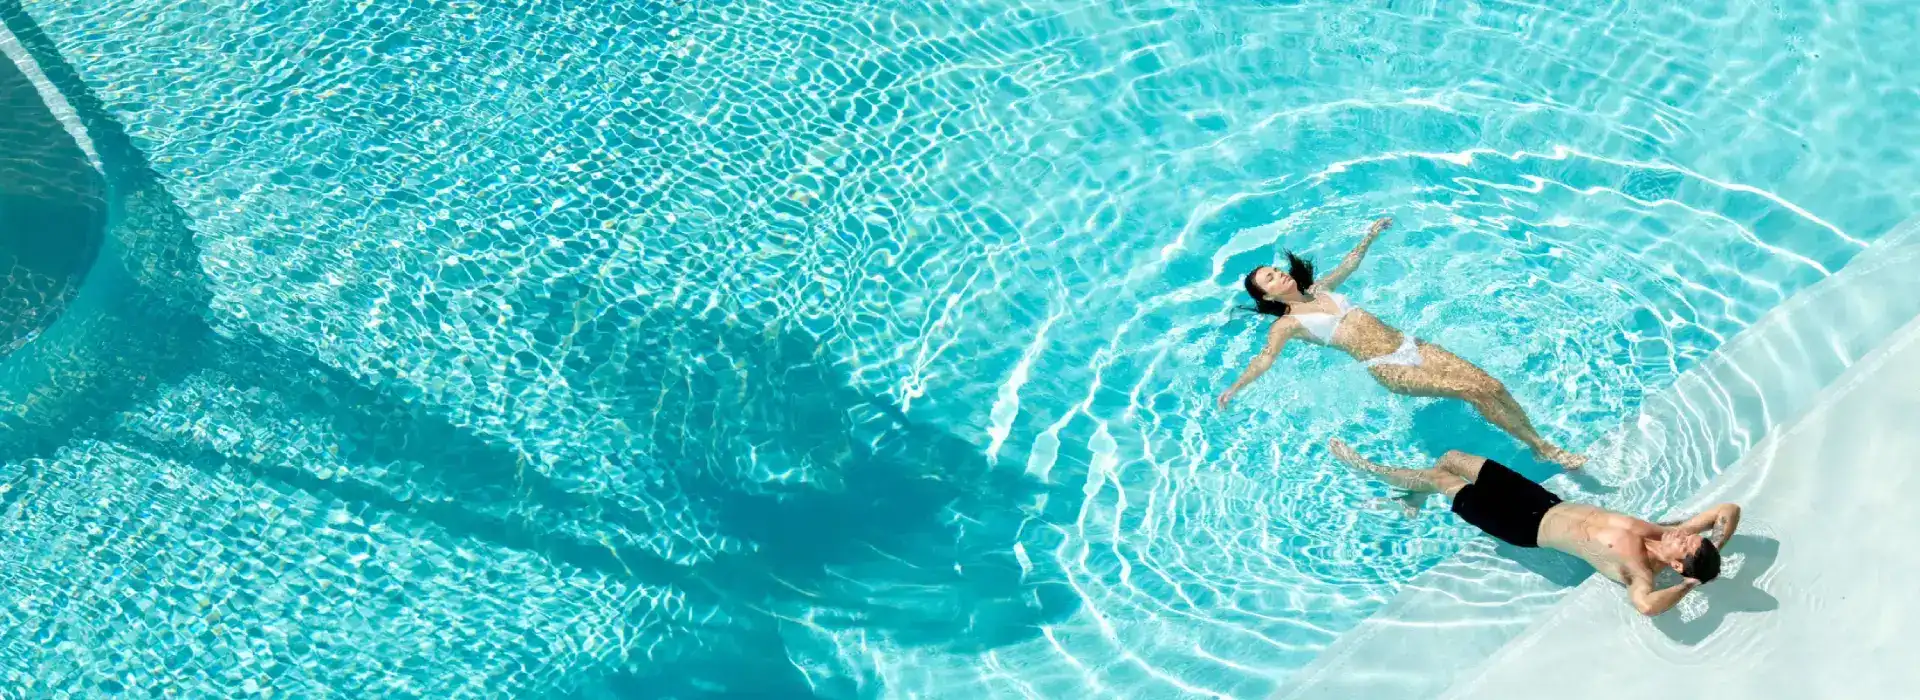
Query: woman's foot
x=1565 y=459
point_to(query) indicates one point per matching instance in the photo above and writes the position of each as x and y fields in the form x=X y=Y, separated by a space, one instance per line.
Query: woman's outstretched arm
x=1277 y=336
x=1352 y=261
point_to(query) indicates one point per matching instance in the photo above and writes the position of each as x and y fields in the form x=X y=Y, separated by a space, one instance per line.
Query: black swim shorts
x=1505 y=504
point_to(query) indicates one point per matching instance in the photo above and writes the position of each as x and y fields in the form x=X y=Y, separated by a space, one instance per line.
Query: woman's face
x=1273 y=283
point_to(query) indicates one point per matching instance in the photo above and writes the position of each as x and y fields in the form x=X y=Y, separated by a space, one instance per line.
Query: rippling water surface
x=51 y=212
x=869 y=349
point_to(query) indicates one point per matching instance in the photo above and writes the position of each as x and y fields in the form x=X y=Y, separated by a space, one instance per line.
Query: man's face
x=1674 y=548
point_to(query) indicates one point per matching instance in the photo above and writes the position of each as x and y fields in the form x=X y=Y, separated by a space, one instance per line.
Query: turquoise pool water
x=52 y=211
x=857 y=349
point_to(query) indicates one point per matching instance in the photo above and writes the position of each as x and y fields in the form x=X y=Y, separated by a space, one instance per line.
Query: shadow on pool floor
x=902 y=488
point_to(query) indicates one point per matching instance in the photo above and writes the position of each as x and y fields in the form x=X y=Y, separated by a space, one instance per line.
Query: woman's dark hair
x=1298 y=268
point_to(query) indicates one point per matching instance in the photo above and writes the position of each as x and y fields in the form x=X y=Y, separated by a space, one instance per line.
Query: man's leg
x=1460 y=464
x=1447 y=476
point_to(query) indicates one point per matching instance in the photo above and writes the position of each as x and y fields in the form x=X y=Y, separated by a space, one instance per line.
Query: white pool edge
x=1826 y=614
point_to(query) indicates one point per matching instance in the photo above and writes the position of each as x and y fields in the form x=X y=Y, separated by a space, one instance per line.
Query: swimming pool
x=51 y=212
x=866 y=349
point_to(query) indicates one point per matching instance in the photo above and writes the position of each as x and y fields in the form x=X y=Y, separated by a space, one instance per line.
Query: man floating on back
x=1520 y=512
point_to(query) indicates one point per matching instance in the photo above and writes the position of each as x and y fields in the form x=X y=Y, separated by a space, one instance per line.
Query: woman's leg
x=1442 y=373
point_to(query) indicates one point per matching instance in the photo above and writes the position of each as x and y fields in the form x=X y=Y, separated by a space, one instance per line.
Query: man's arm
x=1723 y=518
x=1350 y=263
x=1651 y=602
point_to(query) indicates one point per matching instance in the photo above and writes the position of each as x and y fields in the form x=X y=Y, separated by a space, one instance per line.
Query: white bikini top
x=1322 y=325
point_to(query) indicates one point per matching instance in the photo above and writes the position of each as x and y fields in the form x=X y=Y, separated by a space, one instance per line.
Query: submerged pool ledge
x=137 y=317
x=1817 y=600
x=1716 y=419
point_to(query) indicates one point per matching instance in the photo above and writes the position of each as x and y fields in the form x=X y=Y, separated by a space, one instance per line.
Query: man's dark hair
x=1703 y=564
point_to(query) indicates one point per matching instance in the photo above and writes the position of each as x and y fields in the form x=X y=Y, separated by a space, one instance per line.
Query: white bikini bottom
x=1408 y=354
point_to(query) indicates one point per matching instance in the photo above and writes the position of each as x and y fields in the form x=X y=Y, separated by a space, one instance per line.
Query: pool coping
x=1762 y=380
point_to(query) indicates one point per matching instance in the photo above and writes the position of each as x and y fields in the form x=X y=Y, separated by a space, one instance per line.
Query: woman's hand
x=1347 y=265
x=1225 y=396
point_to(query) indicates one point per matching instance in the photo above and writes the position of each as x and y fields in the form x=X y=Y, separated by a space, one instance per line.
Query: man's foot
x=1410 y=504
x=1565 y=459
x=1347 y=456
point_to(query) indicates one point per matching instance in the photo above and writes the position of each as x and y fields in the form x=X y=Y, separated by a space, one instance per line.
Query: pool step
x=265 y=462
x=401 y=460
x=259 y=413
x=1446 y=621
x=1794 y=613
x=121 y=570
